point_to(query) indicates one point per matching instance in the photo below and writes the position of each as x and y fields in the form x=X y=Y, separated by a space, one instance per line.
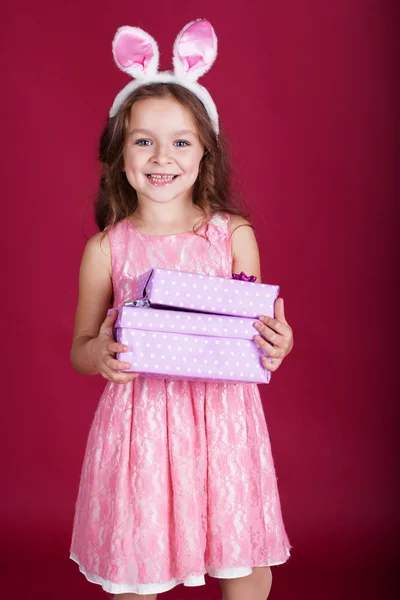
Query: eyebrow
x=148 y=132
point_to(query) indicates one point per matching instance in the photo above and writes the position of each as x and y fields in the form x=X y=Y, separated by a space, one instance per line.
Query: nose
x=161 y=155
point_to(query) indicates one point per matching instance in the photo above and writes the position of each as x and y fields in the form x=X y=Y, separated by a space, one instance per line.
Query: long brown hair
x=117 y=199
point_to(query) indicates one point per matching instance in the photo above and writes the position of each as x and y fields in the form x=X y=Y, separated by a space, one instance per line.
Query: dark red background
x=308 y=94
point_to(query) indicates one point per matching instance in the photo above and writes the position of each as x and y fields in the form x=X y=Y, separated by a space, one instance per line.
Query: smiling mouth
x=161 y=178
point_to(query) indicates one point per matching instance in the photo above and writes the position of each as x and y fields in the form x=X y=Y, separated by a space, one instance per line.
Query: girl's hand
x=275 y=337
x=104 y=348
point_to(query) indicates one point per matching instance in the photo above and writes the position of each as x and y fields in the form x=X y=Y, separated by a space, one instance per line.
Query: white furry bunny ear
x=135 y=52
x=195 y=50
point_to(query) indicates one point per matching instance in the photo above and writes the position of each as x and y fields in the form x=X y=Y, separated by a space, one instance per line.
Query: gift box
x=205 y=293
x=183 y=345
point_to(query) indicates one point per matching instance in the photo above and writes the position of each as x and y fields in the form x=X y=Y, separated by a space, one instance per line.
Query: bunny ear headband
x=195 y=50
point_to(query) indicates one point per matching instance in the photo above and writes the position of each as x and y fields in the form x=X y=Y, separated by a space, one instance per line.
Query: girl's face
x=162 y=151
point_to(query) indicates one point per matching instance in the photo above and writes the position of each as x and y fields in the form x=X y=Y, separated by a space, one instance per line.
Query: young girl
x=178 y=478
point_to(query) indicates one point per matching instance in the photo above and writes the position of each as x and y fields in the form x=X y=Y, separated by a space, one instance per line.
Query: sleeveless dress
x=178 y=478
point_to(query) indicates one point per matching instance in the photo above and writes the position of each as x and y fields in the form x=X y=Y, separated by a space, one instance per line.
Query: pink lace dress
x=178 y=478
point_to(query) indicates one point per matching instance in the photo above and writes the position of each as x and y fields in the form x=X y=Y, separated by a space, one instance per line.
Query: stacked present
x=196 y=327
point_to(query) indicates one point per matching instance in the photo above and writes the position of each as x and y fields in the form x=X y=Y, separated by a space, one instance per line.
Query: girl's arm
x=93 y=346
x=245 y=254
x=275 y=335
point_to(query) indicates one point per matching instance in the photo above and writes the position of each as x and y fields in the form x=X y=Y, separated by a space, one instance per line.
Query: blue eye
x=182 y=143
x=143 y=142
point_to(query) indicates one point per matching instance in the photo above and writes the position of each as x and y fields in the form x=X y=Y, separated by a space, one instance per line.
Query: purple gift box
x=204 y=293
x=185 y=345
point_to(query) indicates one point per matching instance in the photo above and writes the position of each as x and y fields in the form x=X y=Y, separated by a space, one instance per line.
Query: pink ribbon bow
x=244 y=277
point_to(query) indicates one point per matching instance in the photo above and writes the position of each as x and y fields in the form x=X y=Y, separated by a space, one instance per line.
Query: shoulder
x=98 y=244
x=97 y=254
x=229 y=223
x=237 y=222
x=242 y=235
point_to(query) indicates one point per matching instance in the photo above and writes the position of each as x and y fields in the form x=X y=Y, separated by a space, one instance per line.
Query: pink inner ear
x=196 y=46
x=130 y=51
